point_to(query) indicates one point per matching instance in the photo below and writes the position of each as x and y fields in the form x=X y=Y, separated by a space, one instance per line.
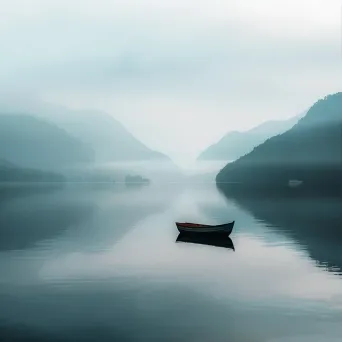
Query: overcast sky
x=178 y=73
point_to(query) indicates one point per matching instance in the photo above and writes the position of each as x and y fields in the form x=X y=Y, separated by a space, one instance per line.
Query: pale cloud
x=191 y=69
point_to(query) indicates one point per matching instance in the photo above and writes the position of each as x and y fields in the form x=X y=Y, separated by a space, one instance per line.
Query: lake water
x=101 y=263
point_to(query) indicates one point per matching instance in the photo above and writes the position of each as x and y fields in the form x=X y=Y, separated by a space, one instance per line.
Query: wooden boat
x=194 y=228
x=207 y=239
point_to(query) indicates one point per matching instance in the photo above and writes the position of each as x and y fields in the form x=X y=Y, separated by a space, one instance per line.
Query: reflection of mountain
x=315 y=223
x=236 y=144
x=38 y=216
x=12 y=191
x=34 y=143
x=311 y=152
x=93 y=219
x=119 y=211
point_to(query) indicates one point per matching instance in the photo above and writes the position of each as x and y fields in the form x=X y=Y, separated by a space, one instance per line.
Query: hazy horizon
x=178 y=75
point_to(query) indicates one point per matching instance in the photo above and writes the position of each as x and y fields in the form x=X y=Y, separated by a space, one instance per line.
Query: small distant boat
x=207 y=239
x=186 y=228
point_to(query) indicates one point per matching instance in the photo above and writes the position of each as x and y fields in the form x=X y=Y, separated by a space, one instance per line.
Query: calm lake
x=101 y=263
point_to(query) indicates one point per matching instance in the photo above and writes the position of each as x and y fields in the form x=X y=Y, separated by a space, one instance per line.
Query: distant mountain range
x=31 y=142
x=109 y=139
x=311 y=152
x=48 y=137
x=236 y=144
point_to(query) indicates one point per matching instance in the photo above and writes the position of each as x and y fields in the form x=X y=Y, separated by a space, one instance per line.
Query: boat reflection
x=216 y=241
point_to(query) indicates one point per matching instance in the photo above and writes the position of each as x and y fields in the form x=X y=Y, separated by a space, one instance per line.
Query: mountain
x=236 y=144
x=310 y=152
x=30 y=142
x=110 y=140
x=11 y=173
x=100 y=131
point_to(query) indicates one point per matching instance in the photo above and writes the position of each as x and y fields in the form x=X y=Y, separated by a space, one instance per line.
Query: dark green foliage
x=311 y=151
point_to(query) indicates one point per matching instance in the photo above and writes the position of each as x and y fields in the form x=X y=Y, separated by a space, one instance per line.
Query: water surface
x=101 y=263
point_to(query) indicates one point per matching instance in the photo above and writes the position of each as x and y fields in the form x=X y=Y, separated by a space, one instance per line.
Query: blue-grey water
x=101 y=263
